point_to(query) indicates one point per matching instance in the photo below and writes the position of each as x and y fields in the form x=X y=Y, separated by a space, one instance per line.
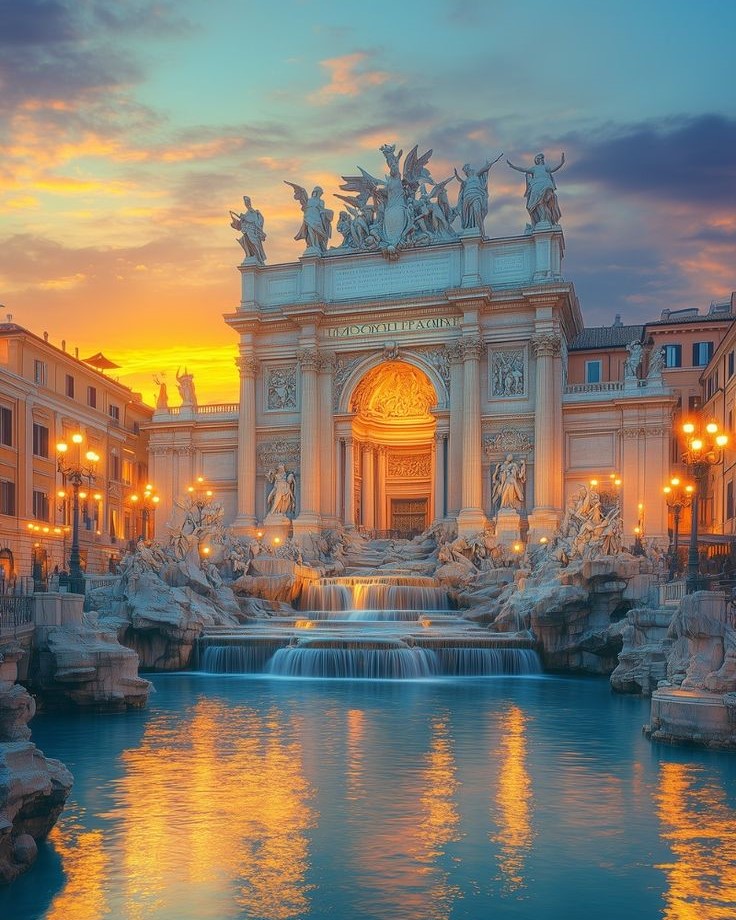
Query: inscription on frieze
x=393 y=278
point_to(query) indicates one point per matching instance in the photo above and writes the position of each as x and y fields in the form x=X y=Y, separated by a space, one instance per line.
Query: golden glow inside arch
x=394 y=390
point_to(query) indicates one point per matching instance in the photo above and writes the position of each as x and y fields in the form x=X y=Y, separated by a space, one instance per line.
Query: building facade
x=46 y=396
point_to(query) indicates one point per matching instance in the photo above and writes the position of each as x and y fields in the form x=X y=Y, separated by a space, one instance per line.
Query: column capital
x=247 y=365
x=472 y=349
x=310 y=359
x=455 y=353
x=546 y=344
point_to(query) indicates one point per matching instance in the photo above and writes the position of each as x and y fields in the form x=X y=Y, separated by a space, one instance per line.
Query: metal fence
x=16 y=612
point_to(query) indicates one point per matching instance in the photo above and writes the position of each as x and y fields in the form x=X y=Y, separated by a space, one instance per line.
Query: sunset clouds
x=128 y=130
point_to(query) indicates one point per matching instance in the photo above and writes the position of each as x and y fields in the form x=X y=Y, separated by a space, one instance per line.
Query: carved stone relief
x=273 y=453
x=508 y=373
x=439 y=358
x=281 y=388
x=403 y=466
x=508 y=440
x=343 y=367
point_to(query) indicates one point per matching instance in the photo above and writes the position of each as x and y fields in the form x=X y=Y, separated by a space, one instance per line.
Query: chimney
x=63 y=344
x=617 y=320
x=45 y=336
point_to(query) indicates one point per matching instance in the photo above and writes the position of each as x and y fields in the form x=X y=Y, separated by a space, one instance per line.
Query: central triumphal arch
x=412 y=372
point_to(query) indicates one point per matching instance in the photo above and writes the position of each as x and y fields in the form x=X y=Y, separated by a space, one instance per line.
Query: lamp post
x=703 y=449
x=677 y=496
x=147 y=502
x=76 y=471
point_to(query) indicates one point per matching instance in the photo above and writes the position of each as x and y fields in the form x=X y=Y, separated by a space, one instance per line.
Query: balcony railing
x=214 y=409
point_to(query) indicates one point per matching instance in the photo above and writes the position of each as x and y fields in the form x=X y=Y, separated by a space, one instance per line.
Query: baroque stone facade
x=395 y=370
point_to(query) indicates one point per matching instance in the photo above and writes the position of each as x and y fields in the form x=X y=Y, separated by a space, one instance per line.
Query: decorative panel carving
x=508 y=440
x=281 y=388
x=409 y=466
x=508 y=373
x=272 y=453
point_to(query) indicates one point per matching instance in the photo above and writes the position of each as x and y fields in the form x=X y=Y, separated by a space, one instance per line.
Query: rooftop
x=616 y=336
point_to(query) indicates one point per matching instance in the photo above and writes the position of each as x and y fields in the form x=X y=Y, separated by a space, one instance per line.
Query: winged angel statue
x=316 y=227
x=385 y=214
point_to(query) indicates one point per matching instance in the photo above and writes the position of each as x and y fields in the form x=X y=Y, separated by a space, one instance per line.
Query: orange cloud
x=347 y=78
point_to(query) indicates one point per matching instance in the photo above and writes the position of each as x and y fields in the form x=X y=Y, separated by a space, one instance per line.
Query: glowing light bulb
x=696 y=444
x=77 y=438
x=722 y=440
x=688 y=428
x=711 y=427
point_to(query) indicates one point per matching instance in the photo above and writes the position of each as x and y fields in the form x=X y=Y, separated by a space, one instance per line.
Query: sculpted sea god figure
x=250 y=224
x=472 y=204
x=541 y=194
x=316 y=227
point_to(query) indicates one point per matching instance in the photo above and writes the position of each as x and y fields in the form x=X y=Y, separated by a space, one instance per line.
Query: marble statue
x=509 y=478
x=281 y=499
x=633 y=362
x=541 y=191
x=656 y=363
x=472 y=205
x=250 y=224
x=162 y=400
x=385 y=211
x=185 y=384
x=316 y=228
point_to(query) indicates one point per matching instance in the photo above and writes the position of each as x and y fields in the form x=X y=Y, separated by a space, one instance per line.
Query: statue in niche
x=472 y=203
x=656 y=363
x=316 y=228
x=633 y=362
x=509 y=478
x=250 y=224
x=185 y=385
x=282 y=497
x=162 y=400
x=541 y=191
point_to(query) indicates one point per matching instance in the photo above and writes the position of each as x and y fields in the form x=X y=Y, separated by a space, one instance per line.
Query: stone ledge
x=693 y=716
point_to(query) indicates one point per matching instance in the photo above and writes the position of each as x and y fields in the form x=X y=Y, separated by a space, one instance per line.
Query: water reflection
x=700 y=828
x=211 y=809
x=514 y=800
x=86 y=868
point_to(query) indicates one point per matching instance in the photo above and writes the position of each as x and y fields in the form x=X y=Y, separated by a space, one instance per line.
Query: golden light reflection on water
x=700 y=829
x=439 y=824
x=86 y=865
x=355 y=754
x=212 y=809
x=513 y=801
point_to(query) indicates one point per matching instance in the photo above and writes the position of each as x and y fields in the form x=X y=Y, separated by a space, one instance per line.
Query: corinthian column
x=471 y=518
x=369 y=493
x=545 y=516
x=245 y=521
x=455 y=456
x=349 y=483
x=308 y=520
x=326 y=439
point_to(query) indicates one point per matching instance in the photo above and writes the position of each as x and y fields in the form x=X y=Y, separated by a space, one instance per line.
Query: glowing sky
x=129 y=128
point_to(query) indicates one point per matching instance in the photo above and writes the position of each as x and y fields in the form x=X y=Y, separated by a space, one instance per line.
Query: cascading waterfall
x=379 y=627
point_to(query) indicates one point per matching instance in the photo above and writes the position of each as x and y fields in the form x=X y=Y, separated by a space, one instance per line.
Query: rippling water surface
x=268 y=799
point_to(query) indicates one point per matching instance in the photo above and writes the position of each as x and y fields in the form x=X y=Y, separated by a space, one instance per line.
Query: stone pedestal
x=276 y=529
x=508 y=530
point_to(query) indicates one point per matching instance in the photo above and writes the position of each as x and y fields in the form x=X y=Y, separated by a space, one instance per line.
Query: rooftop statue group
x=404 y=210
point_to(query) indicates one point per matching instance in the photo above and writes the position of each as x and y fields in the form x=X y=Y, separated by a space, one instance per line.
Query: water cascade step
x=397 y=626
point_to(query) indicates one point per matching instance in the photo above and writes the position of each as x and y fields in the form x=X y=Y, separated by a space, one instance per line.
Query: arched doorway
x=393 y=448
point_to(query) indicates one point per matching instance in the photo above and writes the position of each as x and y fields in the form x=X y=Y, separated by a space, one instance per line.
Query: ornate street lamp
x=703 y=449
x=147 y=501
x=677 y=496
x=75 y=470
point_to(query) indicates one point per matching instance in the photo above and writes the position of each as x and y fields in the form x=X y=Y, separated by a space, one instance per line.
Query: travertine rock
x=642 y=662
x=86 y=666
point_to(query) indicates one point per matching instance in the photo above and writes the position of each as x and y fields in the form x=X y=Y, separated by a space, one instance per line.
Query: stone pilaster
x=245 y=521
x=369 y=491
x=381 y=452
x=544 y=518
x=455 y=442
x=440 y=440
x=349 y=483
x=326 y=438
x=308 y=520
x=471 y=518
